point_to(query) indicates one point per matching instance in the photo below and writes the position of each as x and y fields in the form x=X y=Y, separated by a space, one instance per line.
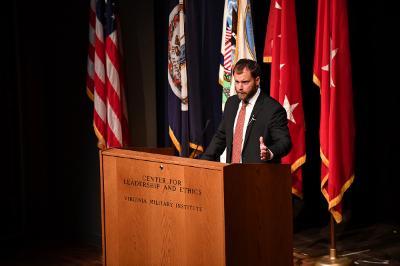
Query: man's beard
x=246 y=96
x=242 y=96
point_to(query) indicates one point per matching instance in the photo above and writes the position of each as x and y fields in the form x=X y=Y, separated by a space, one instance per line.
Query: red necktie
x=238 y=135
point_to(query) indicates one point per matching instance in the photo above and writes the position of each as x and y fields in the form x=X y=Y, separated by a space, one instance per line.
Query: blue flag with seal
x=183 y=84
x=177 y=80
x=194 y=39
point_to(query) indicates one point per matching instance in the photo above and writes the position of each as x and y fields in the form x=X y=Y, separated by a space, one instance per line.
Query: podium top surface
x=154 y=157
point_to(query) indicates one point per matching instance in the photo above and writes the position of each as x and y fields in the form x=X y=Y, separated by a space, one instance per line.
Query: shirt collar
x=254 y=98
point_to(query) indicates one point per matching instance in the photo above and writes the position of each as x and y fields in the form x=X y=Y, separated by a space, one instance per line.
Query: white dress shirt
x=249 y=109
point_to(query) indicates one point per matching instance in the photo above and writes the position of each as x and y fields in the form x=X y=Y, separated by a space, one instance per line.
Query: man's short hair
x=251 y=65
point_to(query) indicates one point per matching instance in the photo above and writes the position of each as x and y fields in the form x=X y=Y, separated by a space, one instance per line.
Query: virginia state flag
x=178 y=106
x=184 y=104
x=193 y=28
x=281 y=51
x=332 y=74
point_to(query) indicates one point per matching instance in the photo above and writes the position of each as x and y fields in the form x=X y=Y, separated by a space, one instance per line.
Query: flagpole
x=332 y=259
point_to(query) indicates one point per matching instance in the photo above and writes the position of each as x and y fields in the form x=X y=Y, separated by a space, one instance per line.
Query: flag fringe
x=267 y=59
x=101 y=144
x=297 y=193
x=324 y=159
x=89 y=94
x=192 y=145
x=335 y=201
x=175 y=140
x=196 y=149
x=316 y=81
x=296 y=165
x=221 y=82
x=299 y=162
x=336 y=215
x=195 y=146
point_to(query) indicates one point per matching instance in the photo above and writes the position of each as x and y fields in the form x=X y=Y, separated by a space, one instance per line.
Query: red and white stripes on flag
x=104 y=77
x=90 y=61
x=228 y=51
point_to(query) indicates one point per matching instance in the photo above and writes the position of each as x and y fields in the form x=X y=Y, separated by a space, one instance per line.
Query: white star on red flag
x=333 y=53
x=289 y=109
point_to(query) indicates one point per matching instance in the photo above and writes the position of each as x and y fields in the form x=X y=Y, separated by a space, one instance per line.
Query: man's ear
x=258 y=81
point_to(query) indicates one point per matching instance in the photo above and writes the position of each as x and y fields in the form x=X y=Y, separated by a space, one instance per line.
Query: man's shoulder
x=268 y=100
x=232 y=101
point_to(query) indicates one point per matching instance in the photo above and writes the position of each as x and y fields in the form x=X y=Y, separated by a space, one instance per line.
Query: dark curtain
x=50 y=178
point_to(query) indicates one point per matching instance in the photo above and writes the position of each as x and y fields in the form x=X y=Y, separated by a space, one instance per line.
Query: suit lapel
x=253 y=116
x=231 y=115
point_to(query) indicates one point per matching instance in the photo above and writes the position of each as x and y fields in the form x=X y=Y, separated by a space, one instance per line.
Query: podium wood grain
x=227 y=220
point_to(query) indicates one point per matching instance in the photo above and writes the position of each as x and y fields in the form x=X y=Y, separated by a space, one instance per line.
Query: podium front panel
x=161 y=211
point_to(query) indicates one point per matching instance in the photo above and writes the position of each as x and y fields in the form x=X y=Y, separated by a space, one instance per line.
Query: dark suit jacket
x=268 y=119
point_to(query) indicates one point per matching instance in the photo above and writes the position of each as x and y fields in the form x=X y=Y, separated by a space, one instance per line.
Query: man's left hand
x=264 y=152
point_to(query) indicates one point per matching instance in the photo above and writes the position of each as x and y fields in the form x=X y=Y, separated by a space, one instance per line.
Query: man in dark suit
x=254 y=126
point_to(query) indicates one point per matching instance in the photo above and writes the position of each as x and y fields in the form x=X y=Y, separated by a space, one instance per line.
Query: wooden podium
x=166 y=210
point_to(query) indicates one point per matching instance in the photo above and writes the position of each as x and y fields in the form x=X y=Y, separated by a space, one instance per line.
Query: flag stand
x=332 y=259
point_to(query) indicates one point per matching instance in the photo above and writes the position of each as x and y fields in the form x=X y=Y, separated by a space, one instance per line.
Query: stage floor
x=365 y=245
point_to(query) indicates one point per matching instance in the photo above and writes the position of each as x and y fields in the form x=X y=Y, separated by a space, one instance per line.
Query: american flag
x=104 y=76
x=228 y=52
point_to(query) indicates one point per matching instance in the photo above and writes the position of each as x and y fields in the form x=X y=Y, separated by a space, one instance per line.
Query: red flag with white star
x=281 y=51
x=332 y=74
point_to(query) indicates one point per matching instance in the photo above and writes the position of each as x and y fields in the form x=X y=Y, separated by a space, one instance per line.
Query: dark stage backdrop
x=50 y=176
x=50 y=172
